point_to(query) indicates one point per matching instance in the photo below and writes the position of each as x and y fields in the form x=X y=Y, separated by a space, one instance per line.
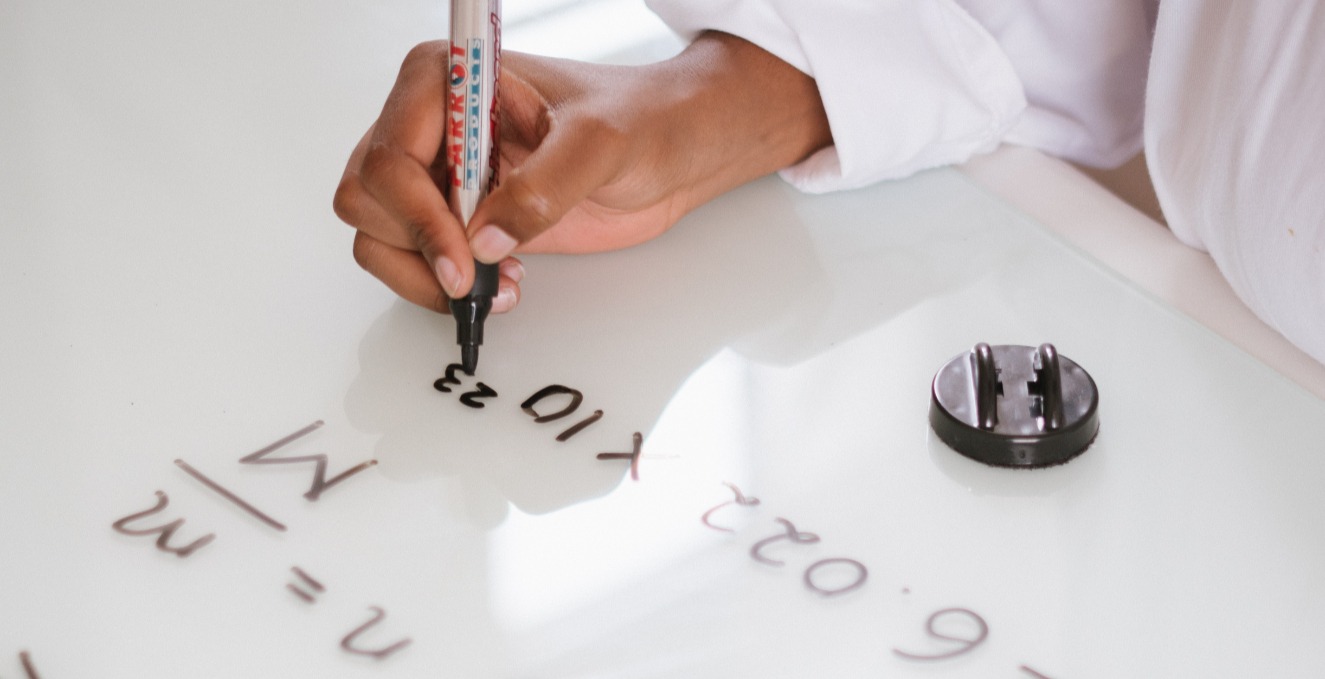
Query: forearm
x=907 y=84
x=741 y=113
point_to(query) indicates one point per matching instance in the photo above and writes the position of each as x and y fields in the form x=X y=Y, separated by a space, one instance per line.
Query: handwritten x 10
x=475 y=397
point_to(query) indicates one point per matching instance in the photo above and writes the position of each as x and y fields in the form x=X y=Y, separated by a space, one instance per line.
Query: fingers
x=569 y=148
x=356 y=207
x=414 y=116
x=396 y=171
x=523 y=108
x=405 y=190
x=408 y=275
x=576 y=158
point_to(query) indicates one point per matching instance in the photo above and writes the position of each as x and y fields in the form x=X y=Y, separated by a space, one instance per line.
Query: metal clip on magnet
x=1015 y=406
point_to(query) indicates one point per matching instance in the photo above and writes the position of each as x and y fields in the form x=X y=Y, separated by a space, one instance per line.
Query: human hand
x=593 y=158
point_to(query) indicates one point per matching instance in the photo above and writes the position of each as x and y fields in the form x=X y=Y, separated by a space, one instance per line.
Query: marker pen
x=471 y=149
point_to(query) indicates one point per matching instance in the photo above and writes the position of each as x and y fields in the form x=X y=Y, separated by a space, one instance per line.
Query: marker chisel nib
x=471 y=311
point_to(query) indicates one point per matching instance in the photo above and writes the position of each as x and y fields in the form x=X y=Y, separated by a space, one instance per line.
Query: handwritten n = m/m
x=320 y=482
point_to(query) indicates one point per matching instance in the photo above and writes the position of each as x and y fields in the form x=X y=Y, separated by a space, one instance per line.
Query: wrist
x=744 y=110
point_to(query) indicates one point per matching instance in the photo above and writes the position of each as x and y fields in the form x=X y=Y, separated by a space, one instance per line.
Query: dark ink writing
x=377 y=654
x=740 y=500
x=320 y=482
x=861 y=574
x=790 y=533
x=163 y=532
x=633 y=456
x=470 y=398
x=576 y=398
x=580 y=426
x=305 y=586
x=968 y=644
x=1033 y=673
x=28 y=669
x=239 y=502
x=552 y=390
x=448 y=378
x=314 y=587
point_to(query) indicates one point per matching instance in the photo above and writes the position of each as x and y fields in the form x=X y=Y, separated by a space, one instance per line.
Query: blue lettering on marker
x=474 y=120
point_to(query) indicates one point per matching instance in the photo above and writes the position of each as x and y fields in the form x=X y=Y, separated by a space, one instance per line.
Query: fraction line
x=230 y=496
x=28 y=669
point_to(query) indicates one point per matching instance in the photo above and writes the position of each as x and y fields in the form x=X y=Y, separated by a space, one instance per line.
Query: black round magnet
x=1015 y=406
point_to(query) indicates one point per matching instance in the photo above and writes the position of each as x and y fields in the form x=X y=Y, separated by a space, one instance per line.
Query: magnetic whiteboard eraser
x=1015 y=406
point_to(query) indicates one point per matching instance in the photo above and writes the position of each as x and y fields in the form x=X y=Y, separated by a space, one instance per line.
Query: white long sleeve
x=1227 y=95
x=912 y=84
x=907 y=84
x=1083 y=64
x=1236 y=149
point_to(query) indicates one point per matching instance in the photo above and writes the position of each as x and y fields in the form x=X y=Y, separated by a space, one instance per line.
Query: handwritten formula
x=966 y=620
x=953 y=632
x=308 y=587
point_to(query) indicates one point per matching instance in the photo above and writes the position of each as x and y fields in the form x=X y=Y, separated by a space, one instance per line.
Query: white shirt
x=1226 y=95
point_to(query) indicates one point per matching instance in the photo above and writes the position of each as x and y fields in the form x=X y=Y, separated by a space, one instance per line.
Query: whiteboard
x=178 y=296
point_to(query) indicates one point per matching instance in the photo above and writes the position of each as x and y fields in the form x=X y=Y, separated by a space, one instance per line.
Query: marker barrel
x=471 y=130
x=471 y=147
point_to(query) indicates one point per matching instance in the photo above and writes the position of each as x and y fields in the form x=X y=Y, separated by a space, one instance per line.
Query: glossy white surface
x=175 y=287
x=1144 y=252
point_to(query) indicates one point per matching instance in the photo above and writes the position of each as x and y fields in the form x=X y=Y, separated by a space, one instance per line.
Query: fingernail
x=504 y=301
x=513 y=270
x=448 y=274
x=491 y=244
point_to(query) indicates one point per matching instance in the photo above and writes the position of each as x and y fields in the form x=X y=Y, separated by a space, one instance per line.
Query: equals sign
x=310 y=587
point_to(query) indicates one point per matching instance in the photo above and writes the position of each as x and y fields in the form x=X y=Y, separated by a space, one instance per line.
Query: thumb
x=575 y=159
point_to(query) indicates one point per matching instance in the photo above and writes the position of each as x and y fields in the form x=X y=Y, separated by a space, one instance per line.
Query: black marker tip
x=471 y=311
x=469 y=358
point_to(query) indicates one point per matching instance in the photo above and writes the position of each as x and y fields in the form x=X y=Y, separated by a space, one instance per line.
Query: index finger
x=413 y=118
x=397 y=167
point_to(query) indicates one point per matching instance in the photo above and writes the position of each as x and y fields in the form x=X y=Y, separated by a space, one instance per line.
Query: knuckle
x=378 y=180
x=425 y=52
x=421 y=232
x=377 y=163
x=345 y=203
